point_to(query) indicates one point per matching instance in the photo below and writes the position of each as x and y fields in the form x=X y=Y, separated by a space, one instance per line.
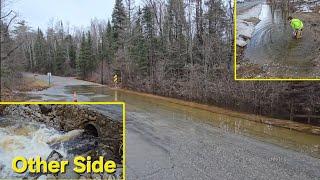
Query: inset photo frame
x=275 y=41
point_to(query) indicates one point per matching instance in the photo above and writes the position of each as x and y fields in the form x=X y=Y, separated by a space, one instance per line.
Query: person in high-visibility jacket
x=297 y=26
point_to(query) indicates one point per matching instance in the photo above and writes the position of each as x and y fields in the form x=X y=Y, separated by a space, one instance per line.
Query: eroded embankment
x=58 y=132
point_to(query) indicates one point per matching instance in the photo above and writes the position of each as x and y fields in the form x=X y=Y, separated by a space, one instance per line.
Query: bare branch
x=9 y=53
x=6 y=15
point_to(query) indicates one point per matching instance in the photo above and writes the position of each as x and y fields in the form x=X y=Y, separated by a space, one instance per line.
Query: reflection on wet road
x=177 y=115
x=171 y=141
x=273 y=47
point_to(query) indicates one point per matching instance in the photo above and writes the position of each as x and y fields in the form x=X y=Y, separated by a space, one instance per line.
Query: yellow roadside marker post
x=115 y=80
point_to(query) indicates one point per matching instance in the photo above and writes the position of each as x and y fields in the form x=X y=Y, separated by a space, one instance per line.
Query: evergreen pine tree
x=176 y=37
x=119 y=22
x=40 y=55
x=138 y=52
x=81 y=64
x=91 y=60
x=109 y=44
x=51 y=50
x=71 y=51
x=60 y=59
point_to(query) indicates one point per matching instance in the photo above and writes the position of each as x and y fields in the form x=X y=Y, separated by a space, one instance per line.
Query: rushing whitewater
x=27 y=139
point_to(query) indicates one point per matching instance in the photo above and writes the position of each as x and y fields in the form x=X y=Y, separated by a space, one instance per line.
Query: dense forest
x=175 y=48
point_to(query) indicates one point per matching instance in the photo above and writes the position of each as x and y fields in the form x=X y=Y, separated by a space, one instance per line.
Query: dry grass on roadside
x=15 y=94
x=31 y=84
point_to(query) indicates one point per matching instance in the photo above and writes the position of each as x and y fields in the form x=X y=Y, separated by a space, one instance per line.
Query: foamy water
x=27 y=140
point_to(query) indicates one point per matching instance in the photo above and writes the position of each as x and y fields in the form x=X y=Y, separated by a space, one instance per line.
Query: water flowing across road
x=167 y=140
x=273 y=47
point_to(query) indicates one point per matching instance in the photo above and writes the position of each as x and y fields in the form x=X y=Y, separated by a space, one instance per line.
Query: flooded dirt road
x=273 y=48
x=171 y=141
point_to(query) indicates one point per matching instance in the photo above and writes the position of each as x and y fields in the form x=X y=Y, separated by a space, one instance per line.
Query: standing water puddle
x=273 y=46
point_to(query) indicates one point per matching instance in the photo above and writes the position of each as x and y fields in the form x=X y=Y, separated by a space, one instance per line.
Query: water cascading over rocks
x=84 y=131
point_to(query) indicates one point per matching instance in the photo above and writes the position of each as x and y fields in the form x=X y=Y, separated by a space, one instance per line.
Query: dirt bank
x=21 y=86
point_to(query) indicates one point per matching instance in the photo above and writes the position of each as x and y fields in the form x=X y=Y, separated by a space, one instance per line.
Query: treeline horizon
x=174 y=48
x=144 y=34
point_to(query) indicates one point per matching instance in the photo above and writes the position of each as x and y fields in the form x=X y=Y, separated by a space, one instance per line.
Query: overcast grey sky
x=76 y=12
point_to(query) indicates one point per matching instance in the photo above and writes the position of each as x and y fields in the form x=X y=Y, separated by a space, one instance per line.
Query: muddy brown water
x=273 y=47
x=177 y=114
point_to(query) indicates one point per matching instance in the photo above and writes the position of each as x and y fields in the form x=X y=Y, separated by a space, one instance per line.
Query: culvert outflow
x=91 y=129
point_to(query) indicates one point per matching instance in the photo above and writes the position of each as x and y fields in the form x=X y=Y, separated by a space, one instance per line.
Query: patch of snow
x=245 y=28
x=241 y=42
x=304 y=8
x=308 y=6
x=252 y=12
x=244 y=32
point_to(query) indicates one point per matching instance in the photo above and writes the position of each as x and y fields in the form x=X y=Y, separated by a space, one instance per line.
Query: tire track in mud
x=273 y=47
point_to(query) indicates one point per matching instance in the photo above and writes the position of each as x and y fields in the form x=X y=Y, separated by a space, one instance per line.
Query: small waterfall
x=28 y=140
